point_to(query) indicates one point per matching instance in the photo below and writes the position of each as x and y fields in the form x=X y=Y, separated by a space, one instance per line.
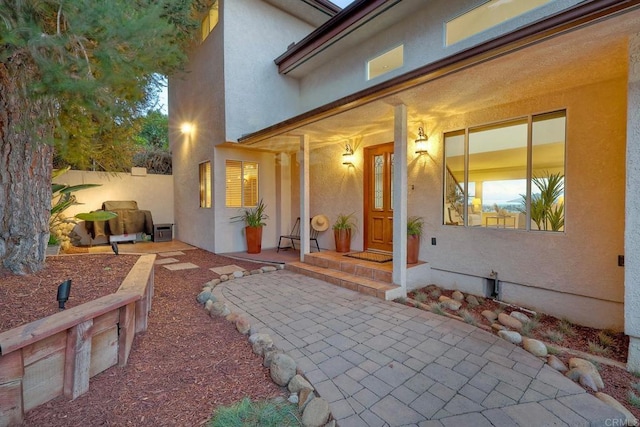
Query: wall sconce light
x=186 y=128
x=347 y=157
x=421 y=142
x=64 y=289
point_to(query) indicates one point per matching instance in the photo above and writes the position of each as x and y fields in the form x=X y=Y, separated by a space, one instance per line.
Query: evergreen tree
x=72 y=75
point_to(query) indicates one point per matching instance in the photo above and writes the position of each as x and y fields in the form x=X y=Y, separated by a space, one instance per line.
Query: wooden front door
x=378 y=197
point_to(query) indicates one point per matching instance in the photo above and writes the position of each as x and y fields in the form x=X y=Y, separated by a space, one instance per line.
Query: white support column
x=304 y=197
x=632 y=214
x=400 y=200
x=283 y=193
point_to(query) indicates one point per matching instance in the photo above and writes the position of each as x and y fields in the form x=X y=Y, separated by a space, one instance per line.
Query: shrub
x=605 y=339
x=528 y=327
x=468 y=317
x=420 y=297
x=248 y=413
x=553 y=335
x=566 y=327
x=436 y=308
x=596 y=348
x=553 y=350
x=634 y=399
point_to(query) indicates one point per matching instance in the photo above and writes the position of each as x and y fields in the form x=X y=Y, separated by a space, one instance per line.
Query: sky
x=342 y=3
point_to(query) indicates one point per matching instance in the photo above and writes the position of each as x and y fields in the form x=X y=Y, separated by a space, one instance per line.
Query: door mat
x=371 y=256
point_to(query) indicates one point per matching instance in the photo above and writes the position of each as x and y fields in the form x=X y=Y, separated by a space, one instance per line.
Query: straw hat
x=320 y=222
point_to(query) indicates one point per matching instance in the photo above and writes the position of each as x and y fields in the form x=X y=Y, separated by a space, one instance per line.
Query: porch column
x=283 y=193
x=304 y=196
x=400 y=200
x=632 y=214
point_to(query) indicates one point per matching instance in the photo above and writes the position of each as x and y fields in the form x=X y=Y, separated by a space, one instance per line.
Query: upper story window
x=507 y=175
x=386 y=62
x=241 y=184
x=210 y=20
x=485 y=16
x=205 y=184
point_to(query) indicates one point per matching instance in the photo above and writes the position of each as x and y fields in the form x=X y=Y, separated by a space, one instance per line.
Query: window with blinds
x=205 y=185
x=241 y=184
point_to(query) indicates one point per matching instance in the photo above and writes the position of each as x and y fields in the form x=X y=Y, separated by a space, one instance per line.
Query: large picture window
x=507 y=175
x=241 y=184
x=205 y=185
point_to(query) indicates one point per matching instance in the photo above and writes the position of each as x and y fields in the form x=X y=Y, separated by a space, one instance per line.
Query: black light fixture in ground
x=64 y=289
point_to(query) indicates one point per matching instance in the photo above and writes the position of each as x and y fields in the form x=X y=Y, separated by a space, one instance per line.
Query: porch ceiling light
x=421 y=142
x=347 y=157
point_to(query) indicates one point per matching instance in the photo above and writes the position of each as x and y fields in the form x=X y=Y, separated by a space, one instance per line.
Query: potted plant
x=254 y=221
x=547 y=209
x=342 y=231
x=414 y=234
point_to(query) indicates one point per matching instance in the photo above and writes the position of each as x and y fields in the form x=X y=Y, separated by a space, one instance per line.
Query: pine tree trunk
x=25 y=171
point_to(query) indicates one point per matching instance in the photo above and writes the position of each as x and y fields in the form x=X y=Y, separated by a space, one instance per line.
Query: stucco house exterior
x=509 y=95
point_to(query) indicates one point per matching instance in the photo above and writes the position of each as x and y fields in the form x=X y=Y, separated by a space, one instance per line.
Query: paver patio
x=379 y=363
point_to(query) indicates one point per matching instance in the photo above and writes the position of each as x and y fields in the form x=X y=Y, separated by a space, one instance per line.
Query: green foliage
x=605 y=339
x=248 y=413
x=597 y=349
x=528 y=327
x=415 y=225
x=436 y=308
x=546 y=212
x=468 y=317
x=566 y=327
x=553 y=350
x=346 y=222
x=634 y=399
x=420 y=297
x=553 y=335
x=154 y=130
x=62 y=198
x=93 y=68
x=253 y=217
x=400 y=300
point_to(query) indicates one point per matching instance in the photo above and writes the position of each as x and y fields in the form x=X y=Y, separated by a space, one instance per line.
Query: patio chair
x=295 y=235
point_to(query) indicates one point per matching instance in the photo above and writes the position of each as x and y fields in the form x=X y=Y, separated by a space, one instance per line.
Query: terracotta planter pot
x=254 y=239
x=413 y=249
x=343 y=240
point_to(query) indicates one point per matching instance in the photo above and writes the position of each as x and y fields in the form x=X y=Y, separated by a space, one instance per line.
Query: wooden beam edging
x=136 y=287
x=140 y=280
x=22 y=336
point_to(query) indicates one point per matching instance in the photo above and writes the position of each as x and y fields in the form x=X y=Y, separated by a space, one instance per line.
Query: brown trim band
x=579 y=15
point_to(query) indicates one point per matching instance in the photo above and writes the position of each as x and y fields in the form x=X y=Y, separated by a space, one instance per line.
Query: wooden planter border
x=57 y=355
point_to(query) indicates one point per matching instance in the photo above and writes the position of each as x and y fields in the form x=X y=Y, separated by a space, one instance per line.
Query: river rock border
x=507 y=327
x=314 y=410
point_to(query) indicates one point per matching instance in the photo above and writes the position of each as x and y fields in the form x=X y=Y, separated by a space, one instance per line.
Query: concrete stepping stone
x=180 y=266
x=174 y=253
x=226 y=269
x=165 y=261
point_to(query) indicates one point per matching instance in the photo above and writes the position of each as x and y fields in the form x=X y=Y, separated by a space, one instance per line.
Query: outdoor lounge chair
x=295 y=235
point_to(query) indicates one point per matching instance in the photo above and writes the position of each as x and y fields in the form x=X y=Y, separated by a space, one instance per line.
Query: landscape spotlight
x=64 y=289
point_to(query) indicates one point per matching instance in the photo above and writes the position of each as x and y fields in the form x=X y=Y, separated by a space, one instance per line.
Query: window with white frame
x=205 y=184
x=507 y=175
x=241 y=184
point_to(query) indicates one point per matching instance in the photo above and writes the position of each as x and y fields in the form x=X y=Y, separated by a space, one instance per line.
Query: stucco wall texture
x=572 y=274
x=632 y=233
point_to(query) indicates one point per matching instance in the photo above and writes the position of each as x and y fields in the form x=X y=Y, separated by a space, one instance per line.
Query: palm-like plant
x=546 y=212
x=253 y=217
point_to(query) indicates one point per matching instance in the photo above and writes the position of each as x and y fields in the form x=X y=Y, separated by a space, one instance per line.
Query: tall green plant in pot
x=254 y=221
x=415 y=224
x=342 y=231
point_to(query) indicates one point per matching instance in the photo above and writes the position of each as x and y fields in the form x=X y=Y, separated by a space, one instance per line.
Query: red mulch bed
x=618 y=382
x=179 y=371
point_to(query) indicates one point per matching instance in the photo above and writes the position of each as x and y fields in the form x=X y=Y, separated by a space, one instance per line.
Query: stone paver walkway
x=379 y=363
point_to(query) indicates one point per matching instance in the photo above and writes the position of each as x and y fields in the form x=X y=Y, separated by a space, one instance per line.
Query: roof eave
x=581 y=14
